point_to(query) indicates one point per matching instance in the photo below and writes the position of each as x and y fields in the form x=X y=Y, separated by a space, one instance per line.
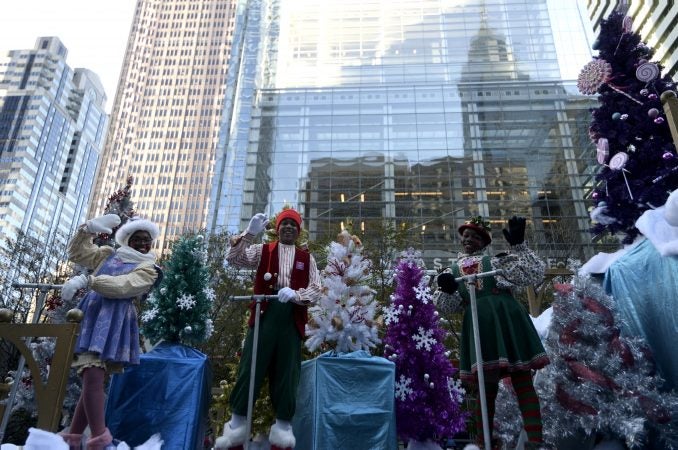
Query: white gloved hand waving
x=103 y=224
x=257 y=224
x=286 y=295
x=72 y=286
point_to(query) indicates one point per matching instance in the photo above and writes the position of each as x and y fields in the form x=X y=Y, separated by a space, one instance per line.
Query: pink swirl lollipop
x=618 y=161
x=647 y=72
x=602 y=150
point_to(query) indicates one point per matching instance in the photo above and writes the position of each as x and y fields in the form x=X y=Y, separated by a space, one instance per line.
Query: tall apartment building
x=52 y=129
x=418 y=113
x=167 y=112
x=656 y=21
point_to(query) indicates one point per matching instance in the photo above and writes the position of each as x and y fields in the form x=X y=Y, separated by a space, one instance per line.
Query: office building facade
x=420 y=114
x=656 y=21
x=417 y=114
x=52 y=129
x=167 y=112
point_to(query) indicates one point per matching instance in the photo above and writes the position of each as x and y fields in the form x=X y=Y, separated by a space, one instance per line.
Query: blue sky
x=94 y=31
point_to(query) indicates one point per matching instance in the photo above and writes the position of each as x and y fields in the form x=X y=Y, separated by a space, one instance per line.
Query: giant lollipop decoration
x=617 y=162
x=595 y=74
x=647 y=72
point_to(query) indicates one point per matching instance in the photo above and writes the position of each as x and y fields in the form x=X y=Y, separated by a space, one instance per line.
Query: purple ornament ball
x=653 y=112
x=596 y=194
x=644 y=92
x=659 y=120
x=668 y=156
x=652 y=96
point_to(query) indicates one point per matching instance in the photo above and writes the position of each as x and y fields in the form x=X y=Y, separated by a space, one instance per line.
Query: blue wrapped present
x=346 y=401
x=169 y=393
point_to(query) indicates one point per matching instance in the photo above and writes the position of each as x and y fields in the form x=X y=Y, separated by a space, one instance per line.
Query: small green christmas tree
x=178 y=308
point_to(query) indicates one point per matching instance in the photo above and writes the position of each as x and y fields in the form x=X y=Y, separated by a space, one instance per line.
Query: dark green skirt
x=508 y=340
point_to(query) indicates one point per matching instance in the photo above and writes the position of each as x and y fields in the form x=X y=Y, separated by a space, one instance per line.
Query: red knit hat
x=288 y=214
x=478 y=225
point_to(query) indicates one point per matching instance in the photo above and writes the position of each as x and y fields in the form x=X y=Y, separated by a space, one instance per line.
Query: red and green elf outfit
x=281 y=326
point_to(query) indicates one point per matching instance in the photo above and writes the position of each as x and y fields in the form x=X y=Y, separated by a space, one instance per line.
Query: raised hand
x=257 y=224
x=515 y=234
x=103 y=224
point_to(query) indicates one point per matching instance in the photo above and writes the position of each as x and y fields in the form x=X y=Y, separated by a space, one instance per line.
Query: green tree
x=178 y=309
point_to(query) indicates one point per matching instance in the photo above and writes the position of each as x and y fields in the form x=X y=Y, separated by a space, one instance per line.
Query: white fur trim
x=231 y=437
x=671 y=209
x=133 y=225
x=661 y=233
x=600 y=262
x=281 y=438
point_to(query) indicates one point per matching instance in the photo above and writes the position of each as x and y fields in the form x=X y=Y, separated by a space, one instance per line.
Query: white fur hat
x=133 y=225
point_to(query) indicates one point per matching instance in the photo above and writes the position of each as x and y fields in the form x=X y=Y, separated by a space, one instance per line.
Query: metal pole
x=470 y=281
x=253 y=366
x=44 y=288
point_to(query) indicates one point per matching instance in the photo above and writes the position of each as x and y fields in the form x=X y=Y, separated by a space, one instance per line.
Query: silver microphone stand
x=255 y=342
x=470 y=281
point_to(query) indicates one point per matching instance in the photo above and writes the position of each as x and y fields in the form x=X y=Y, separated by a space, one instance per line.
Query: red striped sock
x=529 y=405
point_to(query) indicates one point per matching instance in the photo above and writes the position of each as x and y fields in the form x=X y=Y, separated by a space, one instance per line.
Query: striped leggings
x=527 y=401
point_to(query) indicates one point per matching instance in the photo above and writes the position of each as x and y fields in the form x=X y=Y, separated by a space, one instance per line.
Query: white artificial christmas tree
x=343 y=320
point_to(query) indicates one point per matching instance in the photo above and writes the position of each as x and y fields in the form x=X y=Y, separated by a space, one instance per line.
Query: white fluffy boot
x=231 y=437
x=281 y=437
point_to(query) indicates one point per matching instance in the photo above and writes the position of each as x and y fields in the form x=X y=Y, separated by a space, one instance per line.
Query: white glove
x=73 y=285
x=257 y=224
x=103 y=224
x=286 y=295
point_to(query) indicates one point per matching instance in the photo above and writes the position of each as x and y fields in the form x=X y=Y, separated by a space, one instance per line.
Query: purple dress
x=109 y=326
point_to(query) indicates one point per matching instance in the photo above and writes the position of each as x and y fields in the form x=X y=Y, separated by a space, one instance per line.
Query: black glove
x=516 y=230
x=447 y=283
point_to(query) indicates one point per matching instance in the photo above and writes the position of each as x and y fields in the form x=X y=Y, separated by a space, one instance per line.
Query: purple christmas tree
x=637 y=157
x=428 y=399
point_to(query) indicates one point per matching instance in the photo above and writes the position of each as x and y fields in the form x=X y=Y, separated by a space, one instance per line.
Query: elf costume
x=509 y=342
x=292 y=274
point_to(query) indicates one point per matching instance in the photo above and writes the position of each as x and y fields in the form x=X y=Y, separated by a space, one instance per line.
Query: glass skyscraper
x=52 y=128
x=420 y=114
x=167 y=112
